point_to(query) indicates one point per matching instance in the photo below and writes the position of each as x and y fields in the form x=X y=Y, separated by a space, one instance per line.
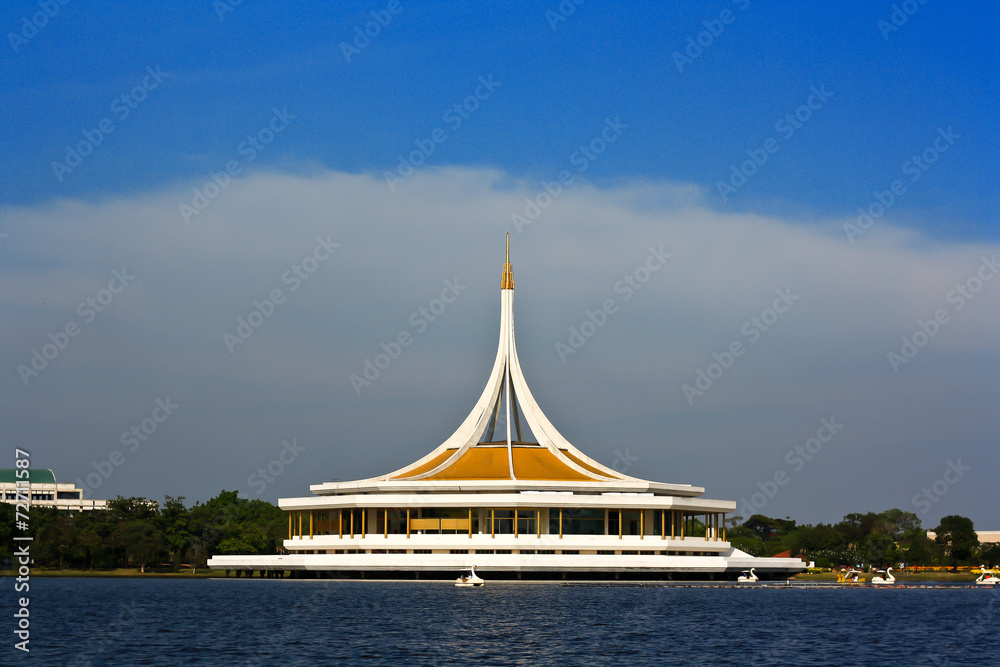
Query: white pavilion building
x=510 y=495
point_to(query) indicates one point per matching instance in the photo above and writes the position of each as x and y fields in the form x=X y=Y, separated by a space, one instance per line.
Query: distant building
x=985 y=536
x=44 y=491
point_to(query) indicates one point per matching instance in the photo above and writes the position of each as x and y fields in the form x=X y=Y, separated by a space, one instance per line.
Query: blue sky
x=889 y=95
x=328 y=128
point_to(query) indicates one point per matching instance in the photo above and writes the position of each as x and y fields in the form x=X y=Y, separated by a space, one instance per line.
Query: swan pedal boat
x=988 y=577
x=747 y=577
x=471 y=579
x=849 y=577
x=887 y=579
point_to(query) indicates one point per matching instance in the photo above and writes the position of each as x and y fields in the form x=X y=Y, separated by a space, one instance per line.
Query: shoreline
x=901 y=577
x=206 y=573
x=202 y=573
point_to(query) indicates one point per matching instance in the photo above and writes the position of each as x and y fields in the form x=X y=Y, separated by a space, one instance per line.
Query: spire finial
x=507 y=280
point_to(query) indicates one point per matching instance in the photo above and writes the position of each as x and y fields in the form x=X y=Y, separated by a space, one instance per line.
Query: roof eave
x=379 y=485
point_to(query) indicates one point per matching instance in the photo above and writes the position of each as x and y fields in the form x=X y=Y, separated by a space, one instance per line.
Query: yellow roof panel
x=478 y=463
x=584 y=464
x=543 y=464
x=483 y=463
x=430 y=465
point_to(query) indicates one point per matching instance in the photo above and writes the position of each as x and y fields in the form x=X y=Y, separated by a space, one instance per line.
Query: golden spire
x=507 y=281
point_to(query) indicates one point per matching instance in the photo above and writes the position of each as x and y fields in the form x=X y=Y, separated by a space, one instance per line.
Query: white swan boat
x=470 y=579
x=883 y=577
x=747 y=577
x=988 y=577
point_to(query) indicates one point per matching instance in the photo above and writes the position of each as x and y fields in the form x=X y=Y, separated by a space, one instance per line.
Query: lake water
x=320 y=622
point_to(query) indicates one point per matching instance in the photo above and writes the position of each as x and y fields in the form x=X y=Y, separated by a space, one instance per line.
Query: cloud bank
x=724 y=366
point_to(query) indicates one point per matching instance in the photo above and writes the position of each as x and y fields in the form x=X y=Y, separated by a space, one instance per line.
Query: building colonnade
x=649 y=523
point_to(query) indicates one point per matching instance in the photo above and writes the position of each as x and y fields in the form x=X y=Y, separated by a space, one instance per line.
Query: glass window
x=577 y=521
x=527 y=522
x=630 y=522
x=397 y=521
x=503 y=522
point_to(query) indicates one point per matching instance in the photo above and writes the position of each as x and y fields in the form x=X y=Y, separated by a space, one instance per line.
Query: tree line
x=889 y=538
x=143 y=533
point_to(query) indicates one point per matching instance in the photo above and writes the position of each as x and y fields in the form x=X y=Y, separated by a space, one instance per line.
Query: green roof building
x=42 y=489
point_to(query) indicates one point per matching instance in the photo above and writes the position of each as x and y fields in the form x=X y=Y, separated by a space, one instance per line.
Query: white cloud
x=163 y=335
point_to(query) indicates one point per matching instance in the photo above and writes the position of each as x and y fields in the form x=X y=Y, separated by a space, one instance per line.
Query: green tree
x=762 y=527
x=174 y=521
x=880 y=549
x=143 y=543
x=990 y=554
x=958 y=536
x=896 y=523
x=921 y=550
